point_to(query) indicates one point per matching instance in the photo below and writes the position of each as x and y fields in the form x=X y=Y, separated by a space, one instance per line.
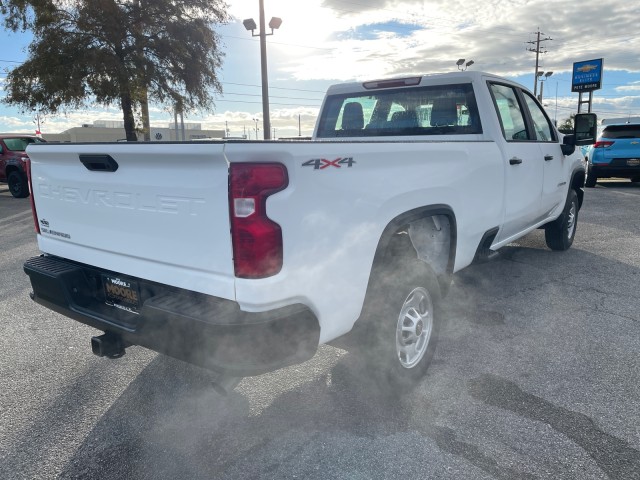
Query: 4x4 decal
x=322 y=163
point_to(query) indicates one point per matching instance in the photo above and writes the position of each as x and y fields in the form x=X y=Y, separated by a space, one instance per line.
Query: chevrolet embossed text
x=124 y=200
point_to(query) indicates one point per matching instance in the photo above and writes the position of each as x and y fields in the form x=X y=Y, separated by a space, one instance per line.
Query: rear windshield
x=19 y=144
x=436 y=110
x=621 y=131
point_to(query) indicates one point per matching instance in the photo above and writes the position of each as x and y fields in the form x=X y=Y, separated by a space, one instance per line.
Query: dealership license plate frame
x=122 y=293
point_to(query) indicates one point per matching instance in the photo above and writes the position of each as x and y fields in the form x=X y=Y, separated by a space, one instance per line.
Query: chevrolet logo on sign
x=587 y=68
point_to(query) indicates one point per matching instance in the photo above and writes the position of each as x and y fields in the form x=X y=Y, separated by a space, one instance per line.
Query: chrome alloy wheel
x=571 y=219
x=414 y=327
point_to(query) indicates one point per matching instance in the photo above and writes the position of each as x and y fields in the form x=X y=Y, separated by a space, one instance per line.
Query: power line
x=272 y=96
x=279 y=88
x=272 y=103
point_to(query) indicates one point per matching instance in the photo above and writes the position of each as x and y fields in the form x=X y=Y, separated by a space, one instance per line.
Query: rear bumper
x=618 y=167
x=200 y=329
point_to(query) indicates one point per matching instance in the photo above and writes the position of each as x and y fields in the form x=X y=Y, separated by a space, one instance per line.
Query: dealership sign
x=587 y=76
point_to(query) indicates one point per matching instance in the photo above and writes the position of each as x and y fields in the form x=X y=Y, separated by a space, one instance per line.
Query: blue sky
x=322 y=42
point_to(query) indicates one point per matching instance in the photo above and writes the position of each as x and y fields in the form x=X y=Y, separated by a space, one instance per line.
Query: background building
x=113 y=131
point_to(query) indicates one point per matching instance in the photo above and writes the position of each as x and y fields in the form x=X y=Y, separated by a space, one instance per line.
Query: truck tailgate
x=161 y=215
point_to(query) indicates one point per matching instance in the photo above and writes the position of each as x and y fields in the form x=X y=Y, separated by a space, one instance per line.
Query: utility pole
x=538 y=52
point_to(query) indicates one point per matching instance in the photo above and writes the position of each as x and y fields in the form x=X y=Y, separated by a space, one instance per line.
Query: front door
x=524 y=167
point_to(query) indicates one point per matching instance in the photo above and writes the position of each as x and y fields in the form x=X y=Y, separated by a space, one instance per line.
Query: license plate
x=121 y=293
x=633 y=162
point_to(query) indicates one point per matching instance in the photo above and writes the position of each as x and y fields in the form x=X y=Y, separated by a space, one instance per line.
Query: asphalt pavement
x=536 y=375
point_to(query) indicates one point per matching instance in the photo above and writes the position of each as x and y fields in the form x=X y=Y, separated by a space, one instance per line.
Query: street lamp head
x=250 y=24
x=275 y=23
x=469 y=63
x=540 y=73
x=548 y=74
x=460 y=62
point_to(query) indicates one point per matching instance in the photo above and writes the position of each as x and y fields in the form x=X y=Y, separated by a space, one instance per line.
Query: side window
x=544 y=131
x=510 y=112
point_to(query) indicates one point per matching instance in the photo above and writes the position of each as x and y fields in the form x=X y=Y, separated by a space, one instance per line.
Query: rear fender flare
x=417 y=217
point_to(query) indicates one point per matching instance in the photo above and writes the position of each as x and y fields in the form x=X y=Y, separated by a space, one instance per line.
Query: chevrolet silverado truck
x=245 y=256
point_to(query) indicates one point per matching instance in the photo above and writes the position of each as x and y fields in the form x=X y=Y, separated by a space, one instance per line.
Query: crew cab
x=272 y=248
x=13 y=159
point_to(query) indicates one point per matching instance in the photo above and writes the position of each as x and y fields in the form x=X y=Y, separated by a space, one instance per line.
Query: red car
x=12 y=162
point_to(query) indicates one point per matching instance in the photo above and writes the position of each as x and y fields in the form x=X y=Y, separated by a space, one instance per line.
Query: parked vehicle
x=13 y=160
x=272 y=248
x=615 y=154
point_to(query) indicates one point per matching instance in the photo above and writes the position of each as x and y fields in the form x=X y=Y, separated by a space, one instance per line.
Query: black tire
x=592 y=178
x=560 y=233
x=401 y=309
x=18 y=185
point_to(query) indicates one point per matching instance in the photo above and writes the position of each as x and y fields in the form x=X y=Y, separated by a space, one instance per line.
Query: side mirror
x=585 y=128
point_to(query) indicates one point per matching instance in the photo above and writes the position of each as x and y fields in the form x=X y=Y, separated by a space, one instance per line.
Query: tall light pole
x=546 y=77
x=250 y=24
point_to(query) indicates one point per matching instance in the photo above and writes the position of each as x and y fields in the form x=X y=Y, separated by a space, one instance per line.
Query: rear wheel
x=560 y=233
x=18 y=185
x=401 y=340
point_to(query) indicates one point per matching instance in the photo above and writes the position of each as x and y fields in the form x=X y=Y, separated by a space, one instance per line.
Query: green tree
x=123 y=52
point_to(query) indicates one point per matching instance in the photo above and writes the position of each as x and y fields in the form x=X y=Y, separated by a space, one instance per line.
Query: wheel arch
x=393 y=243
x=10 y=168
x=578 y=178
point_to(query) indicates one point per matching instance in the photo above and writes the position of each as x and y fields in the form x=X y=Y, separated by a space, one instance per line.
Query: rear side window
x=621 y=131
x=510 y=112
x=434 y=110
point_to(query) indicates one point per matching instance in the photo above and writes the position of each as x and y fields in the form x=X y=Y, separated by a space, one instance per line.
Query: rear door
x=155 y=211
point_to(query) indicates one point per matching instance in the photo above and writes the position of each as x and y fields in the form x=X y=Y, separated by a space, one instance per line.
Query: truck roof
x=412 y=80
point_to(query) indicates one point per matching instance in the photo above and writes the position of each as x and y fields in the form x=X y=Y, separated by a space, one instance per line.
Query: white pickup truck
x=243 y=257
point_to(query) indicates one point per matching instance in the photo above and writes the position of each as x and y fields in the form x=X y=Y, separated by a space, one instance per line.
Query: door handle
x=515 y=161
x=548 y=157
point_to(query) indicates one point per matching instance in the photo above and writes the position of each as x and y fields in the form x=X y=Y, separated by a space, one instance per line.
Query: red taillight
x=256 y=239
x=602 y=144
x=27 y=164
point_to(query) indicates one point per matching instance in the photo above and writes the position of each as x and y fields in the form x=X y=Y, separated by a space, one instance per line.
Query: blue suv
x=615 y=154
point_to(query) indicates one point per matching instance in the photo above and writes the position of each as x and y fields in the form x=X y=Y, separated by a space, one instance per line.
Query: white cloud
x=632 y=87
